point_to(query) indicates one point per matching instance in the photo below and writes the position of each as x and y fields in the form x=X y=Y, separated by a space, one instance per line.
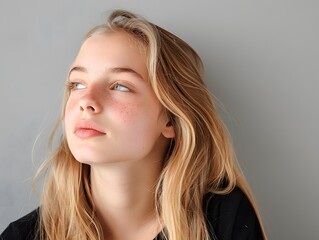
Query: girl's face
x=112 y=114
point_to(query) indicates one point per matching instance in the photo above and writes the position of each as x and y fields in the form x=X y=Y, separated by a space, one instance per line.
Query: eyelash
x=73 y=86
x=120 y=85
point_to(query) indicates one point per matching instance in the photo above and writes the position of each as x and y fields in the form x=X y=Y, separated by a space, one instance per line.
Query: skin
x=111 y=93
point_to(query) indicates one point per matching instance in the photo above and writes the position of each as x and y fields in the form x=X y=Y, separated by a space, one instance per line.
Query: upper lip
x=87 y=124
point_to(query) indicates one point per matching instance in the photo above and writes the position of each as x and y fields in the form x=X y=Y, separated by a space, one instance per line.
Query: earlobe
x=168 y=130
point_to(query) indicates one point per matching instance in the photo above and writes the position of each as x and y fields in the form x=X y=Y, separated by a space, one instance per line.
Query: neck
x=124 y=197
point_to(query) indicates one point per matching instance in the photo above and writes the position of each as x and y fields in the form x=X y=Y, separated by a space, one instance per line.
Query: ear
x=168 y=131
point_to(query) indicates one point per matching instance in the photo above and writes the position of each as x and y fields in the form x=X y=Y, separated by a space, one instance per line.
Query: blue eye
x=121 y=88
x=77 y=86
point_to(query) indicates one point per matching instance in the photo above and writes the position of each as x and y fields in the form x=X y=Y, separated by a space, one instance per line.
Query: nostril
x=91 y=108
x=88 y=108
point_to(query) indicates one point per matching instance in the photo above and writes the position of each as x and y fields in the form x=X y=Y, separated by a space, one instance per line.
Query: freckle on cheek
x=126 y=112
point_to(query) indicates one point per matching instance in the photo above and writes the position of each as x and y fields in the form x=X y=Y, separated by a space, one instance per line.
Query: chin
x=92 y=158
x=83 y=155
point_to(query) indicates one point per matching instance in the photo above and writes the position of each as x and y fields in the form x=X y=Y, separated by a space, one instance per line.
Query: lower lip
x=88 y=133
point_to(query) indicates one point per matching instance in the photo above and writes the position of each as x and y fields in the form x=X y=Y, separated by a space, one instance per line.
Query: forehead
x=112 y=49
x=113 y=41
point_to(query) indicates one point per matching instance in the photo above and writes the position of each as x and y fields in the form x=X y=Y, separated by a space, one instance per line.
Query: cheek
x=68 y=113
x=127 y=114
x=70 y=104
x=138 y=119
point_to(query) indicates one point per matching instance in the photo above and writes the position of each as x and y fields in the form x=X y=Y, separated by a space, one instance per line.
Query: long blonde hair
x=201 y=158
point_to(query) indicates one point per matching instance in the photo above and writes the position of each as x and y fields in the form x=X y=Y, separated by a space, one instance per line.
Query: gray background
x=261 y=59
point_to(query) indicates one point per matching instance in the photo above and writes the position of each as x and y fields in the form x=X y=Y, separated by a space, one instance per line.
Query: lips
x=88 y=129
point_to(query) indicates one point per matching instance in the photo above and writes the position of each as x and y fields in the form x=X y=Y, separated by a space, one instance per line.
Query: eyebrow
x=111 y=70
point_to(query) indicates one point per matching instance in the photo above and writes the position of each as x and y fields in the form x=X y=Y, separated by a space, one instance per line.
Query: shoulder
x=23 y=228
x=231 y=216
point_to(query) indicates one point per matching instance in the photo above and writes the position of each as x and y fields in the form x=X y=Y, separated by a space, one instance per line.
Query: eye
x=119 y=87
x=76 y=86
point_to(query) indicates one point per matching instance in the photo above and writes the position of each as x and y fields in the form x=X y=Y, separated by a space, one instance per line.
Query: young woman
x=143 y=155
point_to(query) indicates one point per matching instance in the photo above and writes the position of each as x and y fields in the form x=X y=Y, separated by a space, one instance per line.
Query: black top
x=228 y=217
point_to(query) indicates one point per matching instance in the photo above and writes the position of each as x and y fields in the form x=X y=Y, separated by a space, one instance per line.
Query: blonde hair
x=201 y=158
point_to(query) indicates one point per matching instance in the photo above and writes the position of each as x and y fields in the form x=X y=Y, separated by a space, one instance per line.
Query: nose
x=90 y=103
